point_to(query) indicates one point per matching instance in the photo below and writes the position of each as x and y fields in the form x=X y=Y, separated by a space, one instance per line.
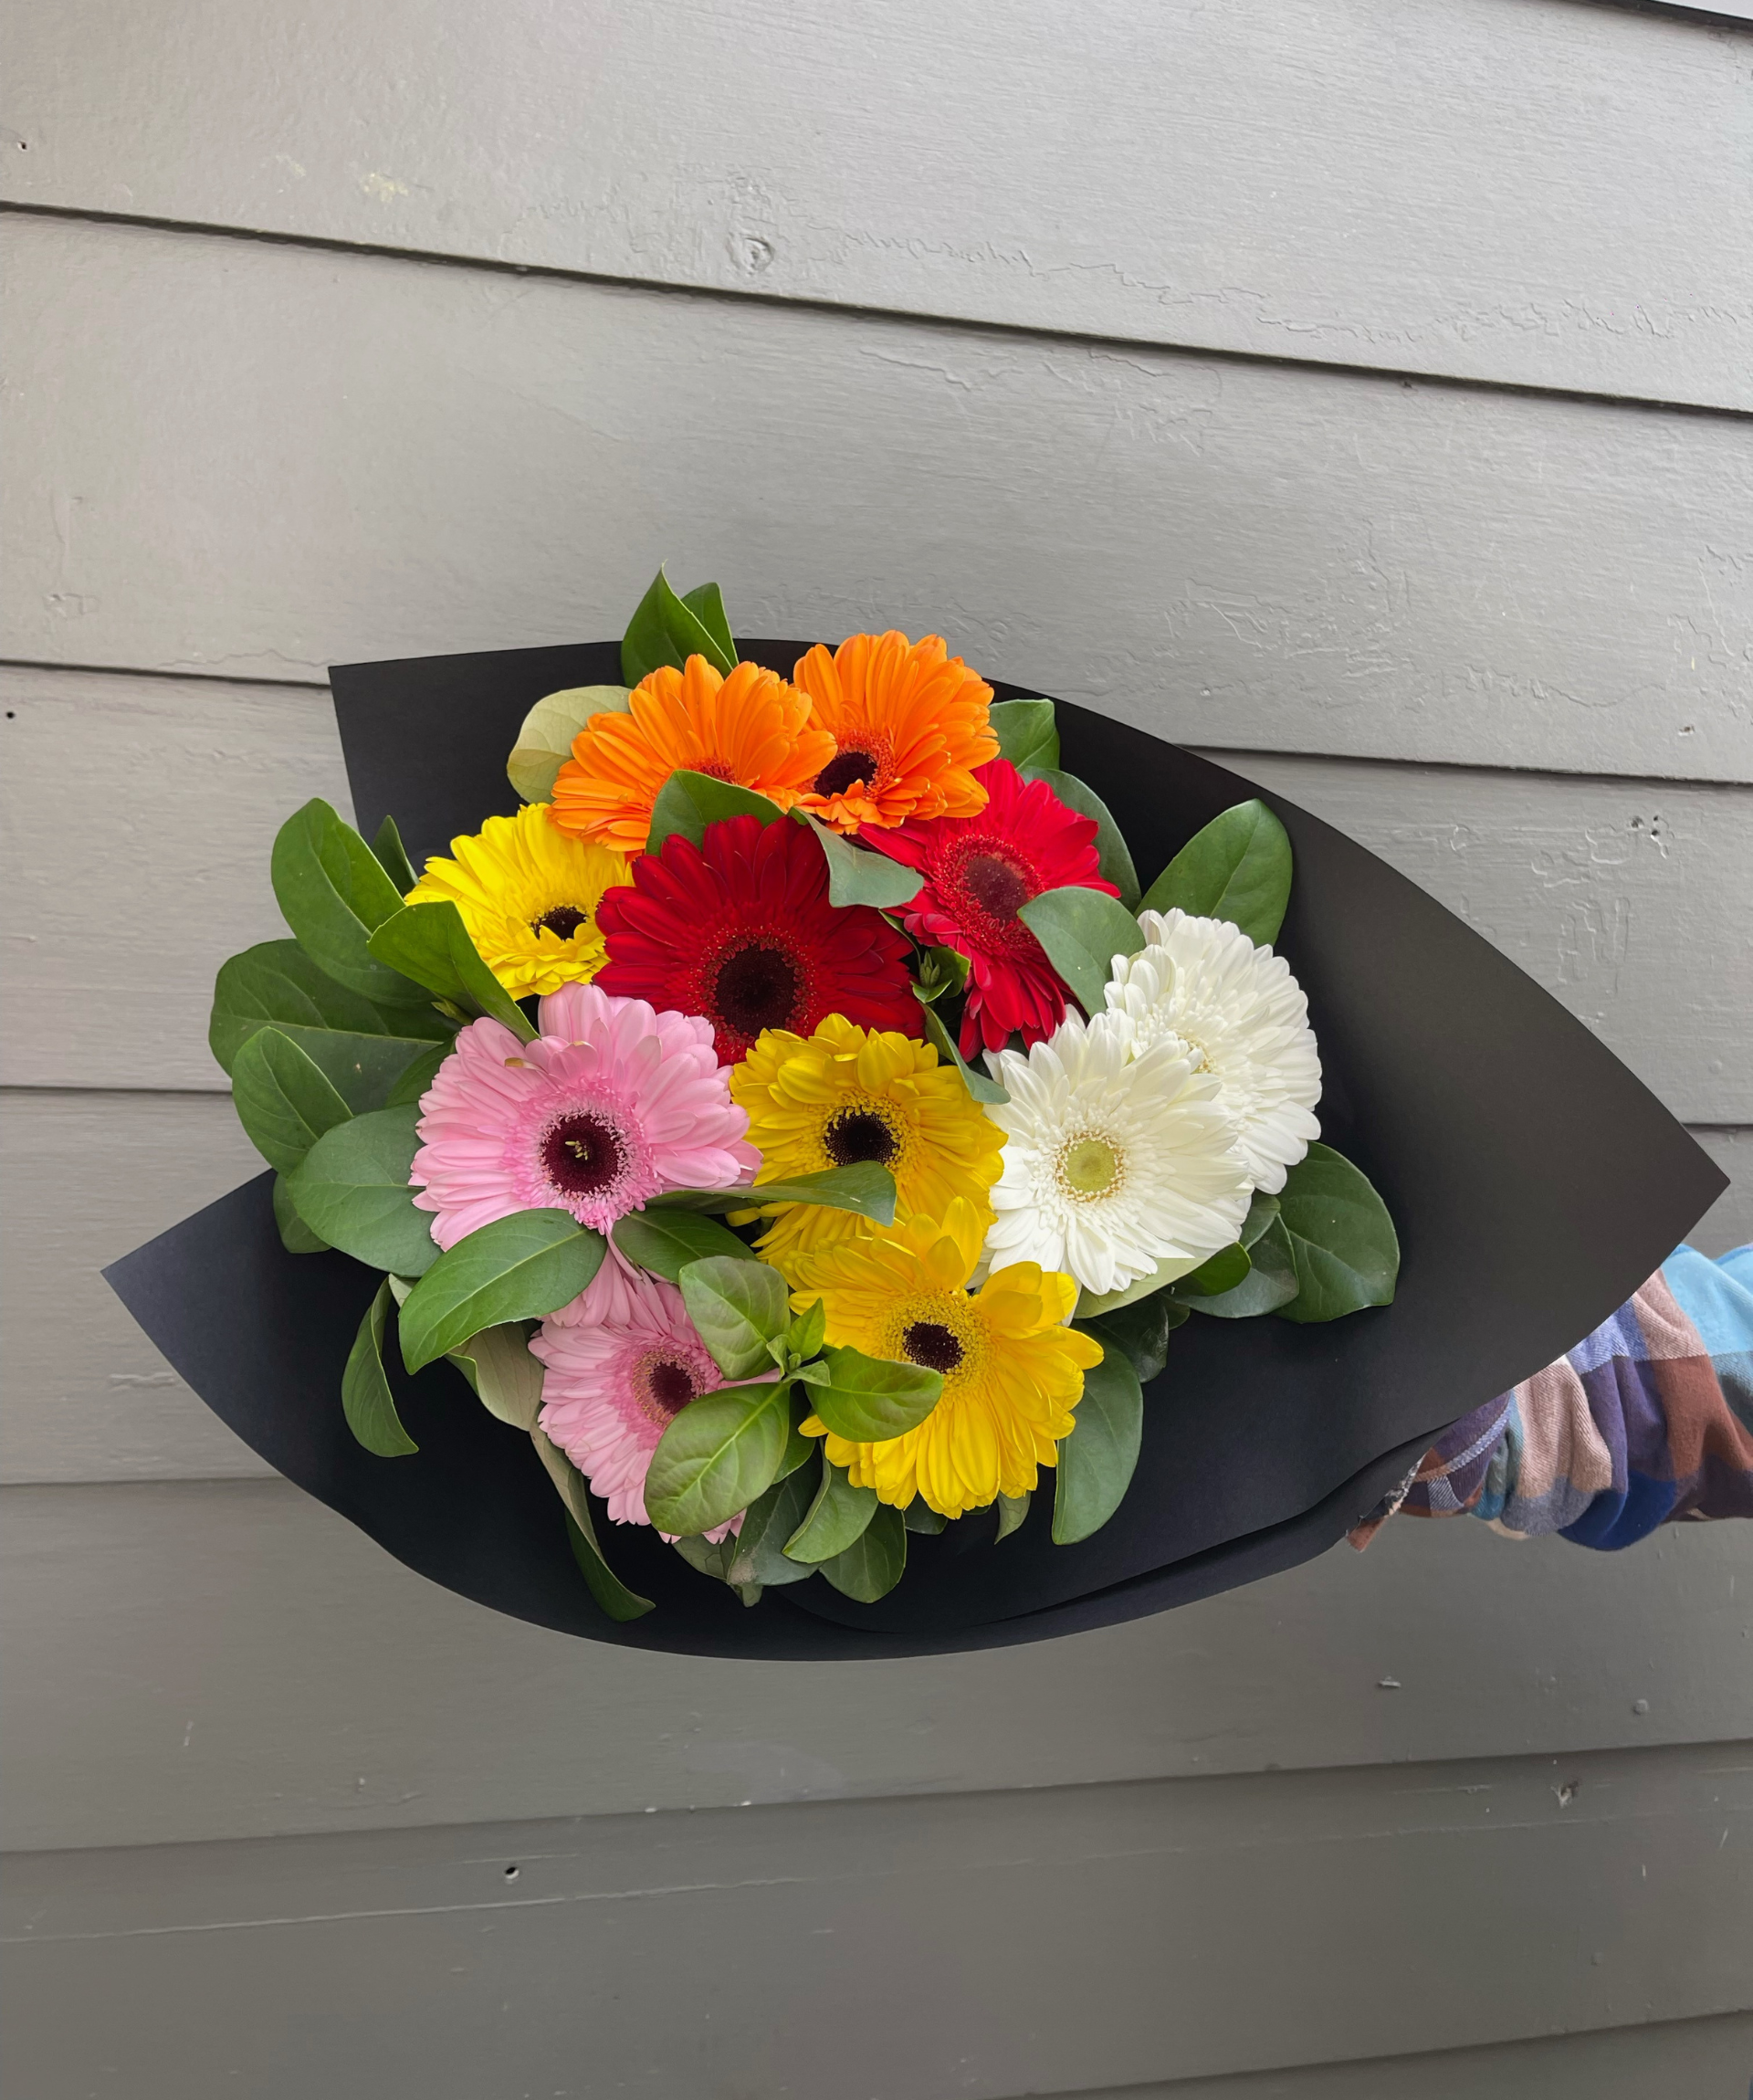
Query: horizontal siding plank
x=226 y=1660
x=1624 y=899
x=1023 y=1942
x=1508 y=190
x=256 y=459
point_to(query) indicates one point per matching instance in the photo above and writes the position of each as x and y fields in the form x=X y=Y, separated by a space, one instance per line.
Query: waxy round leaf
x=1096 y=1460
x=835 y=1517
x=1113 y=856
x=393 y=856
x=721 y=1452
x=1222 y=1272
x=1027 y=733
x=738 y=1307
x=411 y=1088
x=296 y=1236
x=365 y=1397
x=518 y=1267
x=1011 y=1511
x=1237 y=868
x=667 y=629
x=808 y=1330
x=282 y=1100
x=980 y=1085
x=352 y=1189
x=758 y=1553
x=922 y=1522
x=1269 y=1285
x=665 y=1242
x=334 y=895
x=688 y=802
x=1342 y=1241
x=505 y=1377
x=430 y=944
x=865 y=1188
x=546 y=735
x=621 y=1603
x=360 y=1048
x=874 y=1562
x=1139 y=1332
x=857 y=876
x=1171 y=1269
x=870 y=1400
x=708 y=1556
x=1082 y=931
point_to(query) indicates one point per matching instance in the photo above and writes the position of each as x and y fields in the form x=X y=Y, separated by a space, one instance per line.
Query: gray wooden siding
x=1359 y=394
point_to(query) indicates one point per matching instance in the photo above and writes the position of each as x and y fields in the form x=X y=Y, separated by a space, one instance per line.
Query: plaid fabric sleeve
x=1647 y=1420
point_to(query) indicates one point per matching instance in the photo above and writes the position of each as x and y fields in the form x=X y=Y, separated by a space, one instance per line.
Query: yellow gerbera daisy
x=528 y=894
x=1013 y=1373
x=846 y=1094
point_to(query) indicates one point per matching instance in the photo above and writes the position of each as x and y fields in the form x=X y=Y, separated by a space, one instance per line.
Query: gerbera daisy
x=1204 y=983
x=1117 y=1160
x=1013 y=1372
x=528 y=895
x=613 y=1385
x=978 y=871
x=909 y=725
x=611 y=1104
x=742 y=932
x=847 y=1094
x=751 y=728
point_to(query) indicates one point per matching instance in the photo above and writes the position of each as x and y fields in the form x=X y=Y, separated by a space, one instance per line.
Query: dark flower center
x=581 y=1155
x=996 y=884
x=857 y=1134
x=564 y=919
x=671 y=1385
x=758 y=988
x=845 y=769
x=930 y=1343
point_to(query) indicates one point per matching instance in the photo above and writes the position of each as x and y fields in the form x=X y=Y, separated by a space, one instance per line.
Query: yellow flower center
x=1089 y=1167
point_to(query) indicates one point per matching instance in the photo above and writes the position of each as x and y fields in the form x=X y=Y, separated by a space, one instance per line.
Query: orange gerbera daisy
x=909 y=726
x=751 y=728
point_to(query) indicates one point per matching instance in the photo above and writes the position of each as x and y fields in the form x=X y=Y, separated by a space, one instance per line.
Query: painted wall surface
x=1358 y=391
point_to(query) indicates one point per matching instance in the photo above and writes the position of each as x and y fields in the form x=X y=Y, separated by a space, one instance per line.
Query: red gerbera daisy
x=744 y=934
x=978 y=871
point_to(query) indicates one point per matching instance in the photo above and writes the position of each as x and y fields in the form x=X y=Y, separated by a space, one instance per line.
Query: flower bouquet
x=861 y=1196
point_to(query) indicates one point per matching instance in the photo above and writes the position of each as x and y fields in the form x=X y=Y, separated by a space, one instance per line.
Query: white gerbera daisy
x=1120 y=1161
x=1203 y=985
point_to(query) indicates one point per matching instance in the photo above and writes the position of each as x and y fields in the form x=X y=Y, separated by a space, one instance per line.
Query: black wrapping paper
x=1534 y=1182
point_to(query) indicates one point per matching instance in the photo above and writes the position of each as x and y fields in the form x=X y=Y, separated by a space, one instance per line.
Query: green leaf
x=919 y=1518
x=1026 y=731
x=738 y=1307
x=1222 y=1272
x=411 y=1087
x=1096 y=1460
x=505 y=1377
x=721 y=1452
x=296 y=1236
x=547 y=732
x=943 y=974
x=805 y=1336
x=1139 y=1332
x=282 y=1100
x=709 y=1556
x=1012 y=1511
x=360 y=1048
x=1112 y=851
x=518 y=1267
x=937 y=1034
x=799 y=1449
x=334 y=895
x=857 y=876
x=352 y=1190
x=669 y=630
x=1342 y=1241
x=865 y=1188
x=365 y=1397
x=393 y=856
x=1092 y=1306
x=870 y=1400
x=1270 y=1283
x=758 y=1553
x=874 y=1562
x=613 y=1595
x=1082 y=930
x=688 y=802
x=1237 y=868
x=705 y=602
x=836 y=1516
x=665 y=1242
x=429 y=943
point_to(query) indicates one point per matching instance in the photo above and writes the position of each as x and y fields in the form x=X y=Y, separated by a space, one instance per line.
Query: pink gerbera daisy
x=617 y=1376
x=611 y=1104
